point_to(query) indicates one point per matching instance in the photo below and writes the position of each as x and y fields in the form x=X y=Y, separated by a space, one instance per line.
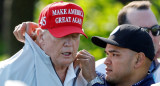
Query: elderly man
x=139 y=13
x=130 y=52
x=49 y=60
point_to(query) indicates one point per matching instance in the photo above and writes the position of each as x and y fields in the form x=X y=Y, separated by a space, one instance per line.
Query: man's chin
x=110 y=81
x=66 y=63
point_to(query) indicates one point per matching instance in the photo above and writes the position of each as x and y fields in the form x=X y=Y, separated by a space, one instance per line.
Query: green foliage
x=156 y=9
x=2 y=48
x=3 y=57
x=100 y=19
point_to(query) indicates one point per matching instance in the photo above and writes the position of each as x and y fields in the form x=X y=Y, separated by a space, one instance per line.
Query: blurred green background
x=99 y=20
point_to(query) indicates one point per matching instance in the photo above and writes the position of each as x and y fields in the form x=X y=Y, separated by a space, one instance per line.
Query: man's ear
x=140 y=58
x=40 y=38
x=38 y=31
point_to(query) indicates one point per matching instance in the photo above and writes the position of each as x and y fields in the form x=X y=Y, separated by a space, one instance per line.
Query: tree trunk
x=15 y=12
x=1 y=12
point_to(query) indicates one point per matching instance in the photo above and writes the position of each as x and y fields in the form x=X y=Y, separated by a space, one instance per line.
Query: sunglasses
x=154 y=29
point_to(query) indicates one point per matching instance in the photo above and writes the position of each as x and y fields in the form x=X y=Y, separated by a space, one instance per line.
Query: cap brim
x=102 y=42
x=66 y=30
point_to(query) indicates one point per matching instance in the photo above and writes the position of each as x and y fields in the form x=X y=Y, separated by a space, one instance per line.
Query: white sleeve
x=19 y=67
x=156 y=74
x=100 y=66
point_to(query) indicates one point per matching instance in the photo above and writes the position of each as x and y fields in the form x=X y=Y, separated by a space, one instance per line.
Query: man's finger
x=75 y=63
x=82 y=56
x=21 y=31
x=31 y=29
x=83 y=63
x=85 y=52
x=15 y=32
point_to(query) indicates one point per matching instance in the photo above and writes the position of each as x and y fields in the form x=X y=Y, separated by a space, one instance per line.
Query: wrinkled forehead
x=142 y=18
x=73 y=34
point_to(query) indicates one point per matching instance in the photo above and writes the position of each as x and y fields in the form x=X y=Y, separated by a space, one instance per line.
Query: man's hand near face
x=87 y=64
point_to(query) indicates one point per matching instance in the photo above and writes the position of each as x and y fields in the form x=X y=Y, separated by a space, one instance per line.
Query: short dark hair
x=139 y=5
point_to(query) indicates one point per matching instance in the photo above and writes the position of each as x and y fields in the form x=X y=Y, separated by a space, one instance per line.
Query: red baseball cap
x=62 y=18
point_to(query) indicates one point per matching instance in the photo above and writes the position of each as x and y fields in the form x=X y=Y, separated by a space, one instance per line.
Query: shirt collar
x=70 y=74
x=148 y=77
x=152 y=67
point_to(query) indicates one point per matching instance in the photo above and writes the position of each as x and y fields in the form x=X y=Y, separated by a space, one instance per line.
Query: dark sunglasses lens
x=146 y=29
x=155 y=33
x=155 y=30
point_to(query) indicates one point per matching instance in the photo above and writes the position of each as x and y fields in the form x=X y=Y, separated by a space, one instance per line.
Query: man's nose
x=108 y=61
x=68 y=41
